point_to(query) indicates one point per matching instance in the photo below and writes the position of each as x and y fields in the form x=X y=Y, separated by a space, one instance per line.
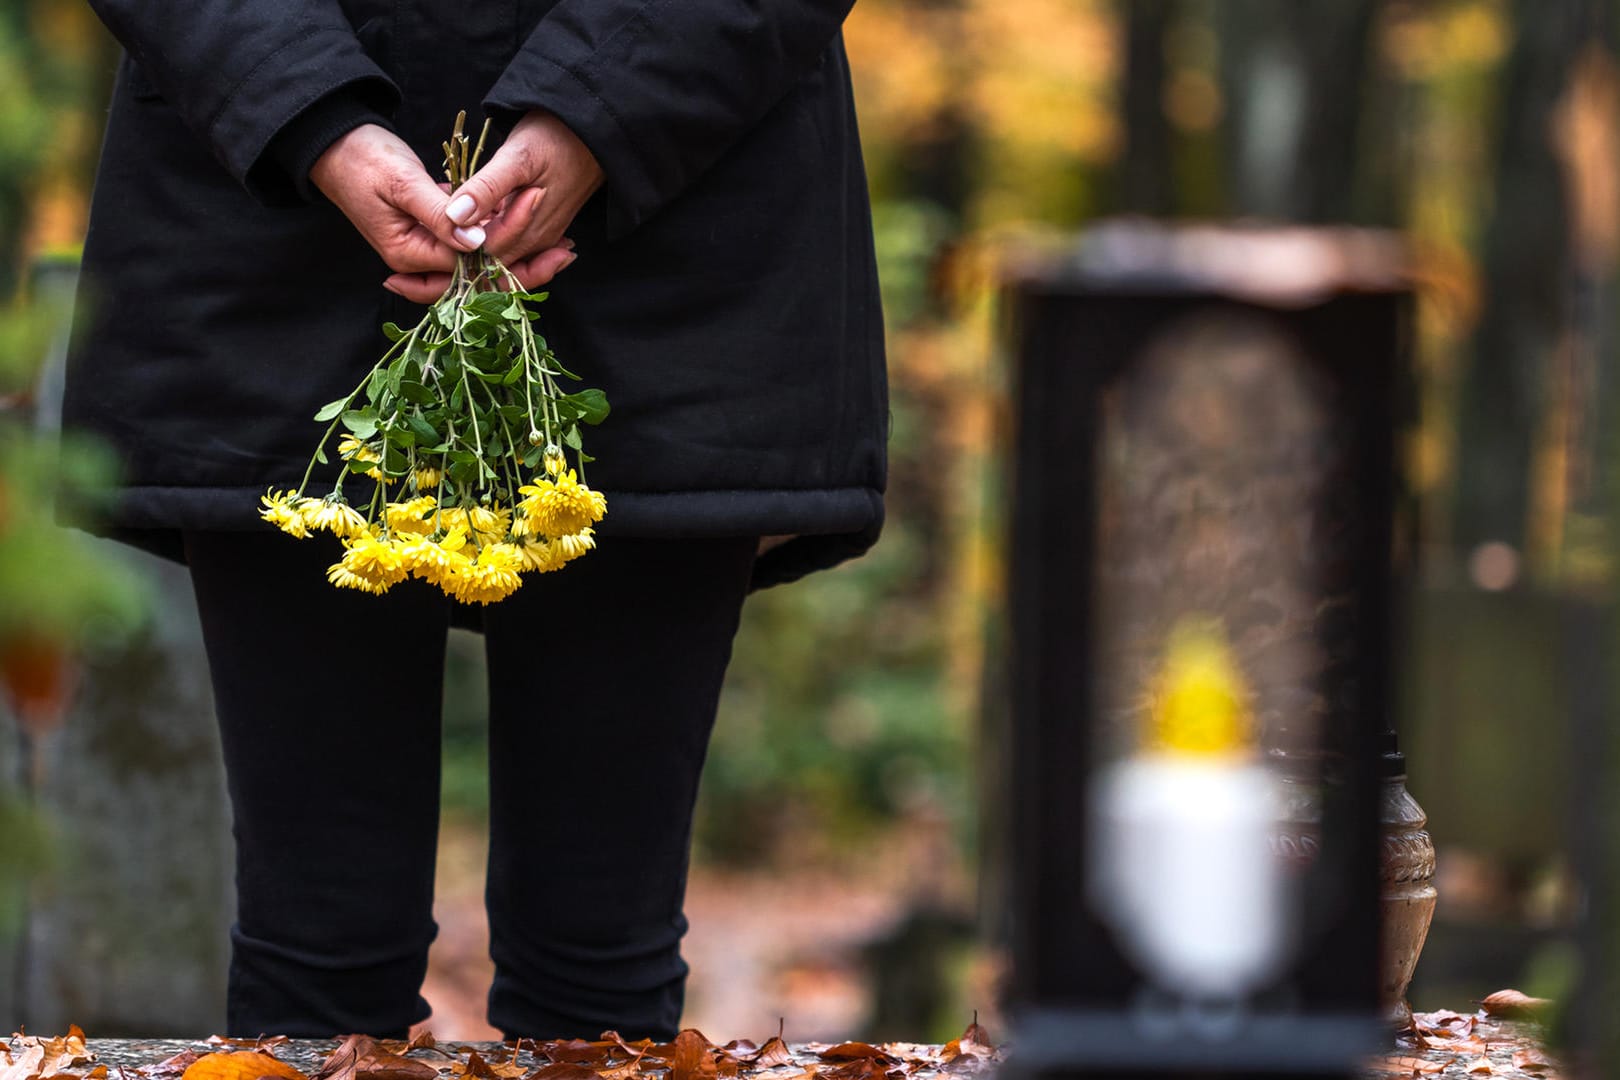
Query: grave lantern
x=1204 y=554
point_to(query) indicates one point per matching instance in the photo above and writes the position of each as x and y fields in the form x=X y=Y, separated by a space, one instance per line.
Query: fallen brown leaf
x=240 y=1065
x=693 y=1057
x=1513 y=1004
x=1442 y=1022
x=475 y=1066
x=974 y=1043
x=23 y=1063
x=97 y=1073
x=577 y=1051
x=562 y=1070
x=422 y=1040
x=1532 y=1059
x=1466 y=1044
x=30 y=1056
x=851 y=1051
x=775 y=1051
x=635 y=1049
x=977 y=1036
x=1481 y=1067
x=359 y=1057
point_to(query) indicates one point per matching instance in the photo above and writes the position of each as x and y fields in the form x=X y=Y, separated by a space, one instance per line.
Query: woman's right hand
x=381 y=187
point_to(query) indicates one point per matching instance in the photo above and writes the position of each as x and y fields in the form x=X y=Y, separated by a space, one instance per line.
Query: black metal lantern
x=1202 y=586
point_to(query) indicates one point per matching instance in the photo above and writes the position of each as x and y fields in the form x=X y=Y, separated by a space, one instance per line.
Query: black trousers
x=604 y=679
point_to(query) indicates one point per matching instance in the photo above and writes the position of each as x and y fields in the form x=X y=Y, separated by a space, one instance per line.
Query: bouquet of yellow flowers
x=460 y=410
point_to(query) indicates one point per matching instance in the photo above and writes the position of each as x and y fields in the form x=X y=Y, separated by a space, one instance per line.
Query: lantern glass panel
x=1215 y=577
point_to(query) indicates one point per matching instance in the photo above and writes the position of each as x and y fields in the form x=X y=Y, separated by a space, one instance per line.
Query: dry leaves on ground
x=1478 y=1045
x=29 y=1057
x=689 y=1056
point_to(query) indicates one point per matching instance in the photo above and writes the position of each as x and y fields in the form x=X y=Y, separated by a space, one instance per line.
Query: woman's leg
x=328 y=703
x=604 y=678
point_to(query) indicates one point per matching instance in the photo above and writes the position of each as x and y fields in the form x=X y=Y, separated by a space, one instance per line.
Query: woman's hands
x=526 y=196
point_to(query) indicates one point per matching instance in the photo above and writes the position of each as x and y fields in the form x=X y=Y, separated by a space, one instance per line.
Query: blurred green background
x=854 y=720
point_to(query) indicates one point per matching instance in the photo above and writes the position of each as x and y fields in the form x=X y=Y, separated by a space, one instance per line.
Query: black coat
x=725 y=295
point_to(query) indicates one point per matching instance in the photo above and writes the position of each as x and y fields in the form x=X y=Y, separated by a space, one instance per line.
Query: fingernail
x=472 y=235
x=567 y=243
x=568 y=262
x=462 y=208
x=391 y=287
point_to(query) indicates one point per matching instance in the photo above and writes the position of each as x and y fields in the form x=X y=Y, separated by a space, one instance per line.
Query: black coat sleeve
x=238 y=73
x=659 y=89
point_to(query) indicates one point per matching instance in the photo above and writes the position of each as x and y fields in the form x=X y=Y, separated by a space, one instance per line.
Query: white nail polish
x=472 y=235
x=462 y=208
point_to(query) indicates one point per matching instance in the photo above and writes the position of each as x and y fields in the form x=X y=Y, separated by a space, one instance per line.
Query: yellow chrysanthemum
x=343 y=578
x=371 y=559
x=540 y=556
x=352 y=449
x=436 y=561
x=284 y=510
x=426 y=559
x=427 y=477
x=571 y=547
x=484 y=520
x=338 y=518
x=561 y=506
x=411 y=516
x=493 y=576
x=555 y=462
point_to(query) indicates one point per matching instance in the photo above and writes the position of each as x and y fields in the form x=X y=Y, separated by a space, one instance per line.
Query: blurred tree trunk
x=1147 y=182
x=1526 y=284
x=1294 y=77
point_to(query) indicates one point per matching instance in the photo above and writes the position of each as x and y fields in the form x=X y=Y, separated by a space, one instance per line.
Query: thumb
x=480 y=197
x=414 y=192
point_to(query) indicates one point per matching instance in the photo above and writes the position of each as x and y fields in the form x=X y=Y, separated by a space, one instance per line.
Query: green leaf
x=513 y=375
x=416 y=393
x=548 y=360
x=487 y=303
x=398 y=436
x=534 y=297
x=331 y=409
x=425 y=432
x=362 y=423
x=593 y=405
x=571 y=437
x=320 y=454
x=392 y=332
x=360 y=468
x=531 y=459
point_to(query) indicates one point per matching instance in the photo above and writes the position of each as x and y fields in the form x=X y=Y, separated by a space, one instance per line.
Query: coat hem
x=829 y=525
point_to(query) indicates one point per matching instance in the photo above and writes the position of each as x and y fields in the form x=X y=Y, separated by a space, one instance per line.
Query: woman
x=262 y=175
